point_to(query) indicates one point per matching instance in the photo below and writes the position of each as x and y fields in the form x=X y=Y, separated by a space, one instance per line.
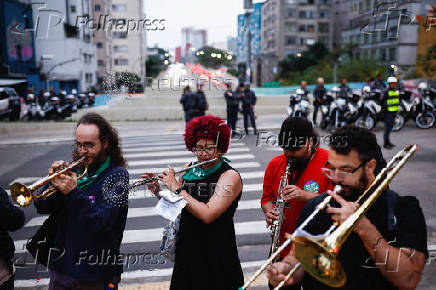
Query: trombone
x=318 y=254
x=24 y=195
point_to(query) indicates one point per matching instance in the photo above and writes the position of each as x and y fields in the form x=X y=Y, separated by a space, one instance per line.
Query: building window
x=302 y=28
x=323 y=14
x=73 y=8
x=323 y=27
x=119 y=34
x=100 y=62
x=302 y=14
x=121 y=48
x=310 y=28
x=393 y=53
x=290 y=13
x=291 y=27
x=97 y=7
x=121 y=61
x=99 y=45
x=291 y=40
x=291 y=1
x=119 y=7
x=324 y=39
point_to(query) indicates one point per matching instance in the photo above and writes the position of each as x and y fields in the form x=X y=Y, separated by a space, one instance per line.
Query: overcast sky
x=219 y=17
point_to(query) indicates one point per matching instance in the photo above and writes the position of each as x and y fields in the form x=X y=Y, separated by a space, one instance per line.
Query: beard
x=352 y=193
x=98 y=160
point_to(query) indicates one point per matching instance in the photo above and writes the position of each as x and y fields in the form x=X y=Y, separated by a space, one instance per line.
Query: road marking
x=175 y=153
x=137 y=212
x=182 y=160
x=155 y=234
x=141 y=148
x=235 y=165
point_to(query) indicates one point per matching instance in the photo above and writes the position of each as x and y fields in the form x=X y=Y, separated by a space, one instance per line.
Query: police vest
x=393 y=101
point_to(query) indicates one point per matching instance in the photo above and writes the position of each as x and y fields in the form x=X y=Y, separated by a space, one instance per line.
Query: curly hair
x=207 y=127
x=107 y=133
x=360 y=139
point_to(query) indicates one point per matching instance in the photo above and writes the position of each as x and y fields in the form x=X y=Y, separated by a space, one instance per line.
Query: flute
x=148 y=180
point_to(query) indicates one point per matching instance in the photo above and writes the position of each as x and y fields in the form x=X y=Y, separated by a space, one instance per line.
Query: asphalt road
x=416 y=178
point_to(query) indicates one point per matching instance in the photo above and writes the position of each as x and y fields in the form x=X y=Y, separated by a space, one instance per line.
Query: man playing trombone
x=387 y=248
x=90 y=212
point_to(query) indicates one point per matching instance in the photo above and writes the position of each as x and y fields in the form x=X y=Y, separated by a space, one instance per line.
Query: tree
x=154 y=66
x=427 y=62
x=126 y=79
x=209 y=57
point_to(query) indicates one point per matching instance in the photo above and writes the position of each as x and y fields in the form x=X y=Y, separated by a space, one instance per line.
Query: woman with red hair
x=206 y=253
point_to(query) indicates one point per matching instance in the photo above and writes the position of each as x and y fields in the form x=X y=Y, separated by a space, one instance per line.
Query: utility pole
x=248 y=7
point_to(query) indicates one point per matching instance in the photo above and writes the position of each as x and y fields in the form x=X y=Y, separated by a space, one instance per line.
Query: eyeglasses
x=207 y=149
x=86 y=145
x=341 y=175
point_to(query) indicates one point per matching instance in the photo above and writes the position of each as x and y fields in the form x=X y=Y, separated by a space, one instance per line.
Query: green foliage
x=428 y=61
x=154 y=66
x=234 y=72
x=317 y=61
x=207 y=60
x=127 y=79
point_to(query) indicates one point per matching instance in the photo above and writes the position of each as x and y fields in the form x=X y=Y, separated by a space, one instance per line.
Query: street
x=140 y=246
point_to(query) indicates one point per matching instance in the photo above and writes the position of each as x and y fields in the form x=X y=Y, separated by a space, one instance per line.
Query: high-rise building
x=288 y=27
x=102 y=39
x=66 y=52
x=128 y=37
x=192 y=40
x=385 y=31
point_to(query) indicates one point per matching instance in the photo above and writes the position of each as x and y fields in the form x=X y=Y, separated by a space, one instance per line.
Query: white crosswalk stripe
x=154 y=154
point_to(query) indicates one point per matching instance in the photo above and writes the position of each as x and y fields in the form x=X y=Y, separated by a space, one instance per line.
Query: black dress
x=206 y=254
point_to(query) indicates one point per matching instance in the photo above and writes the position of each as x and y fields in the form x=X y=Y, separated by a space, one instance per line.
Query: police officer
x=248 y=102
x=190 y=104
x=232 y=101
x=391 y=104
x=318 y=93
x=345 y=91
x=378 y=83
x=202 y=105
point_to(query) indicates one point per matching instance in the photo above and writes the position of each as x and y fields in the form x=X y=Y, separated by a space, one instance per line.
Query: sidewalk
x=26 y=133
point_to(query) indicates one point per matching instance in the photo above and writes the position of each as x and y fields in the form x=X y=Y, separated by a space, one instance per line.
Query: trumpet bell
x=21 y=194
x=320 y=261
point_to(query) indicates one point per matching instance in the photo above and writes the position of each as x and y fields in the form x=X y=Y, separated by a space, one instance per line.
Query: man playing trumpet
x=388 y=246
x=90 y=212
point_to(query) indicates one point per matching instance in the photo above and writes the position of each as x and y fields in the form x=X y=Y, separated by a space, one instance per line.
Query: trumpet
x=24 y=195
x=318 y=254
x=148 y=180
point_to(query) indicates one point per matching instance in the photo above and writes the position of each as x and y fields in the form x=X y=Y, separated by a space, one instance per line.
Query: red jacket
x=311 y=179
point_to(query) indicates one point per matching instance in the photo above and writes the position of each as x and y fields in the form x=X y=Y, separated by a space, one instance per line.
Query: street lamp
x=56 y=65
x=229 y=57
x=218 y=55
x=213 y=54
x=299 y=54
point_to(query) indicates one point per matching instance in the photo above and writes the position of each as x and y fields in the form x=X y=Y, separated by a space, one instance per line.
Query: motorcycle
x=370 y=111
x=91 y=99
x=418 y=106
x=298 y=104
x=325 y=105
x=34 y=110
x=72 y=101
x=339 y=109
x=83 y=98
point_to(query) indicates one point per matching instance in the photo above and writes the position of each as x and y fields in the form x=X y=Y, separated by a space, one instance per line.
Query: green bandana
x=86 y=180
x=198 y=173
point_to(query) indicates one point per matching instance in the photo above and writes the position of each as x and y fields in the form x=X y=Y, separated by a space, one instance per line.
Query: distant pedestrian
x=232 y=101
x=202 y=105
x=379 y=83
x=248 y=103
x=189 y=101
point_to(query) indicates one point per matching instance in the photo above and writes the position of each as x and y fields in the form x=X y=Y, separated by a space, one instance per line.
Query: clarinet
x=279 y=207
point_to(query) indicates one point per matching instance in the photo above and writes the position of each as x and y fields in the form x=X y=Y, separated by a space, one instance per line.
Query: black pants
x=389 y=123
x=232 y=117
x=249 y=113
x=189 y=115
x=315 y=112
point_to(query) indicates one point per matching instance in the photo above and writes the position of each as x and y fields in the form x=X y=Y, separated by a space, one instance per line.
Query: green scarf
x=198 y=173
x=86 y=180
